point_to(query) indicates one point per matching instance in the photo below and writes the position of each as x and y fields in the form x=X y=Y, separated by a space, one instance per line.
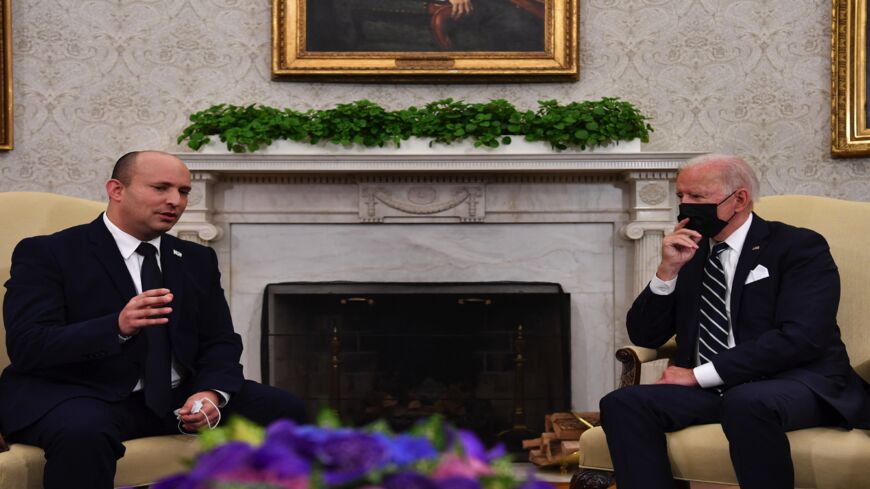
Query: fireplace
x=592 y=223
x=490 y=357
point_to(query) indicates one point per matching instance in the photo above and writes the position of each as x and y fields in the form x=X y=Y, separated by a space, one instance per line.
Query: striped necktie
x=713 y=332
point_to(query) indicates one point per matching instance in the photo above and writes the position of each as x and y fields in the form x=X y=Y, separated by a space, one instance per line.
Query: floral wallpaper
x=96 y=78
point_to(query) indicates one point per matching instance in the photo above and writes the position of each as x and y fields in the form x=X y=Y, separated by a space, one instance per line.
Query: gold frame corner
x=850 y=135
x=6 y=120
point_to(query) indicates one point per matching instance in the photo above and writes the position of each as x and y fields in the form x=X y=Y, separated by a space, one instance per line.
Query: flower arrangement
x=433 y=455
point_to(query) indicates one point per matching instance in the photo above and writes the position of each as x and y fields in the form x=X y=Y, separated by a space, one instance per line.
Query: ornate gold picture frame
x=425 y=41
x=5 y=76
x=850 y=134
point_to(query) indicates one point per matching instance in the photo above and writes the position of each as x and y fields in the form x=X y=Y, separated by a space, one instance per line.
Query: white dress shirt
x=127 y=245
x=706 y=374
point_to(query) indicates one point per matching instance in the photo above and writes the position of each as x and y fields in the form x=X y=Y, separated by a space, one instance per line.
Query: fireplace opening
x=492 y=357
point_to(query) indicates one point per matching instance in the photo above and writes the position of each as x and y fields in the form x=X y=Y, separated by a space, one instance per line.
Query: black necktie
x=713 y=332
x=158 y=380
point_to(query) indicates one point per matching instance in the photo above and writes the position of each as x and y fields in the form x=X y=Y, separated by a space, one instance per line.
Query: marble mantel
x=591 y=222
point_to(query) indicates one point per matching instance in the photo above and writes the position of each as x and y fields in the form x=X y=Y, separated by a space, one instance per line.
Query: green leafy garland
x=576 y=124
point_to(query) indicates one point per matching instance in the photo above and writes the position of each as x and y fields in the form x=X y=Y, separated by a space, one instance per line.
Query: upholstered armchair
x=825 y=458
x=24 y=214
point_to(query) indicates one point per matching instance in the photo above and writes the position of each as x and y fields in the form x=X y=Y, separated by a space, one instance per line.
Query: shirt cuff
x=225 y=397
x=123 y=339
x=707 y=376
x=662 y=287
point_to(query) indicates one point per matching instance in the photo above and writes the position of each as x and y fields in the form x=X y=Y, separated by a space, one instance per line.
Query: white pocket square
x=757 y=274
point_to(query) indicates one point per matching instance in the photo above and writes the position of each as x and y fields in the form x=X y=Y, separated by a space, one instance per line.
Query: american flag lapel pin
x=176 y=253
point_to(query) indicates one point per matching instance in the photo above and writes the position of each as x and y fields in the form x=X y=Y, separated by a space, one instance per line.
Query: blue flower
x=406 y=449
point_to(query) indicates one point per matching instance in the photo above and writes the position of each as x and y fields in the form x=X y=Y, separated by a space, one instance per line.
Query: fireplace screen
x=490 y=357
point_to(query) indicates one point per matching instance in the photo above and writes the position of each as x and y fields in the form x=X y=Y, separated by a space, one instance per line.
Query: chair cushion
x=146 y=461
x=830 y=458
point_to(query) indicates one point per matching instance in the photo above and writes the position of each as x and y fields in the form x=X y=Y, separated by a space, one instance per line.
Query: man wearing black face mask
x=753 y=305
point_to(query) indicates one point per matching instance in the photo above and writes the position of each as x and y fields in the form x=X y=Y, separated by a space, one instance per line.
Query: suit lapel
x=173 y=275
x=749 y=256
x=107 y=253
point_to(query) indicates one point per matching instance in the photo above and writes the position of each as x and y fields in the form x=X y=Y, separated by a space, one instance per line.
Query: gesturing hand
x=678 y=248
x=143 y=310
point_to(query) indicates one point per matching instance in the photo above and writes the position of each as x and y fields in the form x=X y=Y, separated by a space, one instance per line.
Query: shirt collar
x=738 y=237
x=127 y=244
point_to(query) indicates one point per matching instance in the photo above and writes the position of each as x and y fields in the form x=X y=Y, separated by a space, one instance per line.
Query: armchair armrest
x=632 y=357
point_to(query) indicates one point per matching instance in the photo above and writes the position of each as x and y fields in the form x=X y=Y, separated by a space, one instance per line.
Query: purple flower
x=281 y=430
x=473 y=447
x=459 y=483
x=408 y=480
x=280 y=460
x=295 y=457
x=225 y=458
x=349 y=455
x=180 y=481
x=536 y=484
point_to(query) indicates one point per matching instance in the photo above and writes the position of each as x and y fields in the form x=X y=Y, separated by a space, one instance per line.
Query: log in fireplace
x=493 y=357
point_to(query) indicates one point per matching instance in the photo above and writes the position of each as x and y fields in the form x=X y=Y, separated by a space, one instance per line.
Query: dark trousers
x=82 y=436
x=754 y=416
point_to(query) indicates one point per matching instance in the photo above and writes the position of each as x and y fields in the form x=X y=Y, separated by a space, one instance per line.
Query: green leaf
x=251 y=127
x=327 y=418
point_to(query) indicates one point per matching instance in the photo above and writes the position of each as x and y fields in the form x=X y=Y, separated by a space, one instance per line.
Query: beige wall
x=96 y=78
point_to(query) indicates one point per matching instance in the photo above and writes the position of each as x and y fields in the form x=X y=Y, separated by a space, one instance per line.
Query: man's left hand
x=195 y=421
x=678 y=376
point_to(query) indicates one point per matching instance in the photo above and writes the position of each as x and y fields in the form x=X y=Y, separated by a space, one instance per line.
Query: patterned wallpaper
x=96 y=78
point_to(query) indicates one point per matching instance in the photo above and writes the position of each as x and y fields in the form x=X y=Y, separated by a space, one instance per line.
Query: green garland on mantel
x=573 y=125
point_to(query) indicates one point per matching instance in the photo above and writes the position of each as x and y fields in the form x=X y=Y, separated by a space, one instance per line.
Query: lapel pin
x=754 y=248
x=176 y=253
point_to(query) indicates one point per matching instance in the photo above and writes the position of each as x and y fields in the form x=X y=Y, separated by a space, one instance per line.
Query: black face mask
x=704 y=218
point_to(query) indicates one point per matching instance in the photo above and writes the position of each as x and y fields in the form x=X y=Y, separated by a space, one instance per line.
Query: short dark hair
x=123 y=170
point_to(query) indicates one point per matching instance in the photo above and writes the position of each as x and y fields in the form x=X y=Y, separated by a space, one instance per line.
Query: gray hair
x=735 y=172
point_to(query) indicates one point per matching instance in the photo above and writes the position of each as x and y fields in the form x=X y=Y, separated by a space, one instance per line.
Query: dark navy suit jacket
x=61 y=312
x=784 y=325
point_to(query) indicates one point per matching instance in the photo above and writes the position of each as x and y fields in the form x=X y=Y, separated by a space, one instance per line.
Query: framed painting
x=850 y=134
x=5 y=76
x=425 y=40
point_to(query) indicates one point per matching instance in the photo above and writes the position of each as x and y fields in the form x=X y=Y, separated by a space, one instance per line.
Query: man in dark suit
x=112 y=325
x=753 y=305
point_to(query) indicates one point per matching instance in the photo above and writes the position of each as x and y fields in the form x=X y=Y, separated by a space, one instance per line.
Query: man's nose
x=174 y=198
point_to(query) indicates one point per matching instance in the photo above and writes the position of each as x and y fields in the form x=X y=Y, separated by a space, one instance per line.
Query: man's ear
x=114 y=189
x=742 y=197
